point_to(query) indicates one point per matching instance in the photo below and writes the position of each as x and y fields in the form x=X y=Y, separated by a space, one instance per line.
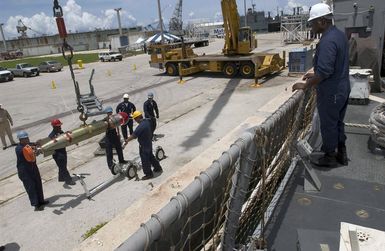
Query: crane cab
x=246 y=41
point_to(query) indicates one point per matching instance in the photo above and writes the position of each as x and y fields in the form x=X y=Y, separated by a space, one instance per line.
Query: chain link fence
x=224 y=205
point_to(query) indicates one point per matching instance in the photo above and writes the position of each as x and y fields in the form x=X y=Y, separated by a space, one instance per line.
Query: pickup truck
x=5 y=75
x=25 y=70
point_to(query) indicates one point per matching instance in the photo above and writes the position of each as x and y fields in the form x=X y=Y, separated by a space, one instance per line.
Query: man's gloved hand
x=308 y=74
x=300 y=85
x=125 y=143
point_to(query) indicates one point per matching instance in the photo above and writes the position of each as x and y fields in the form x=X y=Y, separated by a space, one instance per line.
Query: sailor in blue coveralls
x=331 y=79
x=151 y=111
x=143 y=133
x=127 y=107
x=112 y=140
x=28 y=171
x=60 y=155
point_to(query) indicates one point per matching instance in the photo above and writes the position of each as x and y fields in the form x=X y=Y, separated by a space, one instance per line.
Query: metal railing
x=224 y=205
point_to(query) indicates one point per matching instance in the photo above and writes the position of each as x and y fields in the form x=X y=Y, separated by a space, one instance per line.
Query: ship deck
x=354 y=194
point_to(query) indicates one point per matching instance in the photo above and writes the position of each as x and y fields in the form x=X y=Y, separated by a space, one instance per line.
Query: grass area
x=86 y=58
x=93 y=230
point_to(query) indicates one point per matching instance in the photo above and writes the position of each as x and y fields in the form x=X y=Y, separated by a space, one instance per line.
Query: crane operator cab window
x=244 y=35
x=244 y=40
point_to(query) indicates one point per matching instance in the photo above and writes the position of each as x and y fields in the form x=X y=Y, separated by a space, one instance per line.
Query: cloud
x=75 y=18
x=218 y=17
x=38 y=24
x=288 y=9
x=191 y=14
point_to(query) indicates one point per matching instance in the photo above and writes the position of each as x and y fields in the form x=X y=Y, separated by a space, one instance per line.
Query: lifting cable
x=68 y=54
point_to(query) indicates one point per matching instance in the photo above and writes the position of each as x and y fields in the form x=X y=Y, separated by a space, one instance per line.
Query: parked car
x=110 y=56
x=49 y=66
x=5 y=75
x=25 y=70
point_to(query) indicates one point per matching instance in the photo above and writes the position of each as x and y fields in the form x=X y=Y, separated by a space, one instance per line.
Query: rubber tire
x=131 y=172
x=25 y=75
x=171 y=69
x=247 y=70
x=160 y=154
x=102 y=59
x=230 y=70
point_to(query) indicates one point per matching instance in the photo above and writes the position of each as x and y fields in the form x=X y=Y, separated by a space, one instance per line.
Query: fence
x=224 y=205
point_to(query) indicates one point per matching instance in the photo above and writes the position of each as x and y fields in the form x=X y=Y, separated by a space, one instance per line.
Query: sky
x=88 y=15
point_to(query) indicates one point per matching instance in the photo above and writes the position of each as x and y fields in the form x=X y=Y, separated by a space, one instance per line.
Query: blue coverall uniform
x=29 y=174
x=112 y=139
x=331 y=64
x=144 y=134
x=60 y=157
x=150 y=107
x=128 y=108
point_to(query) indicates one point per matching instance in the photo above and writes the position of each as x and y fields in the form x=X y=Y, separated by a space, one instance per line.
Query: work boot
x=70 y=182
x=147 y=177
x=45 y=202
x=4 y=147
x=39 y=208
x=342 y=156
x=327 y=160
x=158 y=170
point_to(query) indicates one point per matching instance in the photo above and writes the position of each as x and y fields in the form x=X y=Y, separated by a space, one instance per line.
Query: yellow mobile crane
x=237 y=56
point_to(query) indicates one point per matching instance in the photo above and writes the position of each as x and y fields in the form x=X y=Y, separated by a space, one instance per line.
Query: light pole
x=2 y=34
x=160 y=22
x=244 y=4
x=119 y=22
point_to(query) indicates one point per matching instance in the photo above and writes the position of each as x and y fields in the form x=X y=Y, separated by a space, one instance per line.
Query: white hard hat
x=319 y=10
x=125 y=95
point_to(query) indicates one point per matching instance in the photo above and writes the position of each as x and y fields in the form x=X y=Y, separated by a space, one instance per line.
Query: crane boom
x=231 y=25
x=238 y=41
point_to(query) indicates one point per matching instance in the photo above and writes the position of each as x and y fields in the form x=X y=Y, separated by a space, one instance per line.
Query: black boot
x=327 y=160
x=39 y=208
x=342 y=156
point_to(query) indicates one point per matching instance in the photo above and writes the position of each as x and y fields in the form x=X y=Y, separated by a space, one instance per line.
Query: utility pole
x=244 y=5
x=119 y=22
x=2 y=34
x=160 y=22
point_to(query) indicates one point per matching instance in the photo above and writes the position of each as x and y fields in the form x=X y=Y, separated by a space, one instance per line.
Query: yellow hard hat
x=136 y=114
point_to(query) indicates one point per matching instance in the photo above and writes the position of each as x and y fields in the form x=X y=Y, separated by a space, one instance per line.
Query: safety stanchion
x=181 y=81
x=256 y=84
x=53 y=85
